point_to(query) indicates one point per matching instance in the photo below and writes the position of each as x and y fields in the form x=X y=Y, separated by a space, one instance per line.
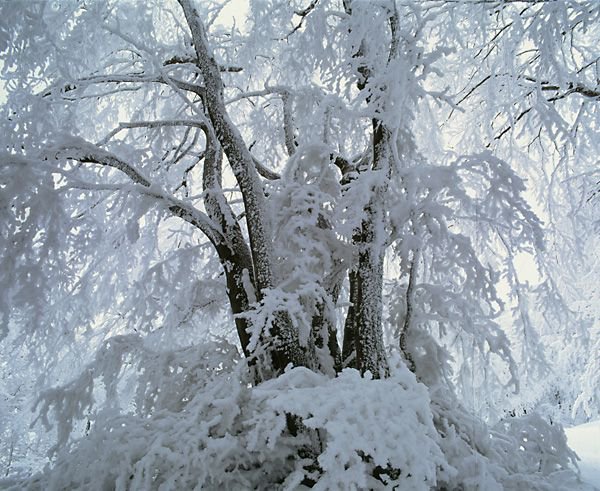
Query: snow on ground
x=585 y=440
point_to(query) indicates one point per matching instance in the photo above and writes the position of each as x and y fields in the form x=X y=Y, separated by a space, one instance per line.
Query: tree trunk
x=284 y=343
x=370 y=351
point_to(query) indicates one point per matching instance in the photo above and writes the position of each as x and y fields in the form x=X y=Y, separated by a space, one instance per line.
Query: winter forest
x=296 y=244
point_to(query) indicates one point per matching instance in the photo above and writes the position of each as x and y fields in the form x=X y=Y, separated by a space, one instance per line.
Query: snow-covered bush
x=196 y=423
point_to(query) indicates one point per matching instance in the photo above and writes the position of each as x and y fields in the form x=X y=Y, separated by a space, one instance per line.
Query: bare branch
x=286 y=345
x=288 y=124
x=268 y=90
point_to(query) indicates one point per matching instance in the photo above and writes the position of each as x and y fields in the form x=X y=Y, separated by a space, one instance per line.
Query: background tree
x=299 y=177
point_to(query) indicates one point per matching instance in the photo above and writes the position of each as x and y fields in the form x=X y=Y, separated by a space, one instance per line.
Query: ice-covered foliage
x=517 y=453
x=445 y=270
x=315 y=245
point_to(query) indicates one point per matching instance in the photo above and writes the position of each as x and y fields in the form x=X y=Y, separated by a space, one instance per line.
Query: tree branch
x=302 y=14
x=189 y=60
x=203 y=125
x=288 y=119
x=284 y=345
x=121 y=79
x=86 y=152
x=265 y=171
x=239 y=156
x=570 y=88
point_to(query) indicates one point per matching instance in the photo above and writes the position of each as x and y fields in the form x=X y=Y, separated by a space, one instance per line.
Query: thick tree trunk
x=363 y=346
x=370 y=351
x=363 y=332
x=363 y=329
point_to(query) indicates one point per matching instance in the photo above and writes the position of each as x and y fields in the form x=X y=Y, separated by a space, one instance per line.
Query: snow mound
x=367 y=427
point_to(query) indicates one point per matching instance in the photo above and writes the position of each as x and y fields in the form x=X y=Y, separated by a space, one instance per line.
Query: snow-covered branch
x=85 y=152
x=78 y=85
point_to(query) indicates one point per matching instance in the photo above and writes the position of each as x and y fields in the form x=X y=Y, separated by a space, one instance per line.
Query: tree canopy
x=326 y=244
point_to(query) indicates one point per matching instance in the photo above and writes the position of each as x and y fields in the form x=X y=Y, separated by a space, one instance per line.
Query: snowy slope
x=585 y=440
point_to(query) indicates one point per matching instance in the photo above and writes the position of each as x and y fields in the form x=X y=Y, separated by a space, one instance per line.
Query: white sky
x=235 y=10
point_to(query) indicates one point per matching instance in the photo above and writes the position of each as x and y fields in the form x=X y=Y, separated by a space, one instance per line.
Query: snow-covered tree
x=282 y=251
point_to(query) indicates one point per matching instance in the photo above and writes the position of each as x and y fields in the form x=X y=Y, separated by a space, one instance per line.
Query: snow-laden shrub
x=196 y=422
x=231 y=436
x=516 y=454
x=365 y=427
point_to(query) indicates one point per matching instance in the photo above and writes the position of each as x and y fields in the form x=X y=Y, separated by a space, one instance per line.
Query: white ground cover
x=585 y=440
